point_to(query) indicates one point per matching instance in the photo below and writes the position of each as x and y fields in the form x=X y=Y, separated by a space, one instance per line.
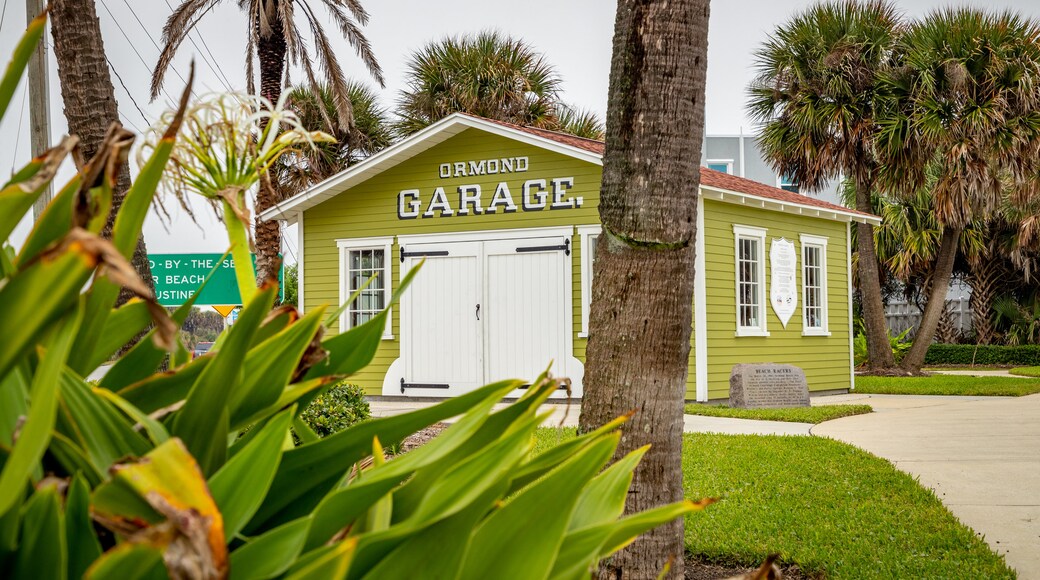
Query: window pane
x=362 y=265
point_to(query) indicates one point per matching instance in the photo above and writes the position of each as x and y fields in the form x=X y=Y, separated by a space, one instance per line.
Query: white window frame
x=809 y=240
x=587 y=234
x=356 y=244
x=728 y=162
x=741 y=232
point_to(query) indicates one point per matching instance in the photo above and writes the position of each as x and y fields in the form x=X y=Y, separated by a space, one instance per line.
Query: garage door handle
x=478 y=311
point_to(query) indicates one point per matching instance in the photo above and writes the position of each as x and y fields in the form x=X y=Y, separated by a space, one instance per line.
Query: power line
x=212 y=65
x=127 y=37
x=18 y=133
x=132 y=99
x=2 y=13
x=155 y=44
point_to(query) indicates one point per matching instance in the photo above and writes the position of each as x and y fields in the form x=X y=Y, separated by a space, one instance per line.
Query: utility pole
x=39 y=103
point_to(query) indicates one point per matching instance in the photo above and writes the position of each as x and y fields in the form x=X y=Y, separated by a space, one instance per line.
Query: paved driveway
x=981 y=456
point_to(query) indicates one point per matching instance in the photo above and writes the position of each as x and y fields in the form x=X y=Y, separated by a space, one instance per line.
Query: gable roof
x=714 y=184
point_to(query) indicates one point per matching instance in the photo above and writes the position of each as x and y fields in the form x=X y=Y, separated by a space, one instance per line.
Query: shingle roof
x=709 y=177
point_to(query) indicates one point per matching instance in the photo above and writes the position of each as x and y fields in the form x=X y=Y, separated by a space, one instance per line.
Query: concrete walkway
x=567 y=416
x=981 y=456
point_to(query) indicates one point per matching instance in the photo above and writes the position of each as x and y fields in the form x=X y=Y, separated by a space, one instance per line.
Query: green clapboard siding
x=369 y=210
x=825 y=359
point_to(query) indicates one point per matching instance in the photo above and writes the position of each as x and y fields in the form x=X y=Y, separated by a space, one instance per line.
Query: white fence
x=901 y=314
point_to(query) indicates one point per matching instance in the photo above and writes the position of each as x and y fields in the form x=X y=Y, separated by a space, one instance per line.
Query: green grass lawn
x=947 y=385
x=789 y=414
x=1026 y=371
x=835 y=511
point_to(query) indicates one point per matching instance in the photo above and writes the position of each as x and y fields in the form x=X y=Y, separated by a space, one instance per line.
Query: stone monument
x=767 y=386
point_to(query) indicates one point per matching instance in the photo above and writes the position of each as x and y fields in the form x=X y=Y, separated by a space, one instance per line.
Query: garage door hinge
x=405 y=254
x=405 y=385
x=565 y=246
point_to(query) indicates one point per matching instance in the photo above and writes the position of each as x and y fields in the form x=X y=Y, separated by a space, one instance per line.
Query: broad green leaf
x=342 y=506
x=583 y=549
x=333 y=564
x=270 y=366
x=542 y=463
x=129 y=562
x=603 y=499
x=73 y=459
x=255 y=464
x=37 y=297
x=270 y=554
x=14 y=402
x=159 y=391
x=140 y=362
x=156 y=432
x=19 y=60
x=96 y=426
x=308 y=472
x=483 y=472
x=203 y=422
x=304 y=431
x=289 y=396
x=54 y=223
x=414 y=553
x=550 y=501
x=121 y=326
x=83 y=546
x=517 y=416
x=165 y=483
x=41 y=552
x=18 y=197
x=36 y=433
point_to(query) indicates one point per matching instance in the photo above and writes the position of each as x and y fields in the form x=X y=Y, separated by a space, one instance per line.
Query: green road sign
x=178 y=277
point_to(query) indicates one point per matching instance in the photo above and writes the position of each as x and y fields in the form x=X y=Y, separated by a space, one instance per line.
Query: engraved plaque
x=767 y=386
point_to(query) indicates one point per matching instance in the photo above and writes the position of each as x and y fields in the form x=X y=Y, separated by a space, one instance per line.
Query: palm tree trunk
x=936 y=306
x=642 y=296
x=985 y=280
x=879 y=351
x=90 y=103
x=271 y=53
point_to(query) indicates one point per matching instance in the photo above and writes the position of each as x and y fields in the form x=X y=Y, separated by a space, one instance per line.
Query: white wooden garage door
x=483 y=311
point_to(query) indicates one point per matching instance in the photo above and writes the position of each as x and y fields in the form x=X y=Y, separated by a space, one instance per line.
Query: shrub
x=188 y=473
x=989 y=354
x=336 y=409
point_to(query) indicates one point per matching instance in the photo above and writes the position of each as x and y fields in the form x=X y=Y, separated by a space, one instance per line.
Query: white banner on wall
x=783 y=290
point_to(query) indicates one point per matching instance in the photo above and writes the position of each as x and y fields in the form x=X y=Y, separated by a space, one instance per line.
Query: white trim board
x=486 y=235
x=700 y=309
x=736 y=197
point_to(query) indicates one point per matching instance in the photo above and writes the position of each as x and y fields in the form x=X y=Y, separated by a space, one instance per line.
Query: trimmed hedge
x=991 y=354
x=336 y=409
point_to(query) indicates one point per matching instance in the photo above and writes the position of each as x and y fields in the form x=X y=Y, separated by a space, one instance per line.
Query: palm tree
x=370 y=132
x=639 y=330
x=275 y=38
x=961 y=102
x=486 y=74
x=579 y=122
x=816 y=95
x=90 y=102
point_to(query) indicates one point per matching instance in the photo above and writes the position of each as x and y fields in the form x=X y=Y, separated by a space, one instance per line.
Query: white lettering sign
x=783 y=291
x=535 y=194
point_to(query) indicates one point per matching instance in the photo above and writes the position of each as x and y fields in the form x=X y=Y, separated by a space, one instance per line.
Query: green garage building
x=506 y=219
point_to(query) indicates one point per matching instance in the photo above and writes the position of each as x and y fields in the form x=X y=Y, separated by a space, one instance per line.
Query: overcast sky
x=574 y=35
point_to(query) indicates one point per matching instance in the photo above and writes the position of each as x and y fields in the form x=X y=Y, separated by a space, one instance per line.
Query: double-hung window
x=361 y=260
x=749 y=252
x=589 y=237
x=814 y=285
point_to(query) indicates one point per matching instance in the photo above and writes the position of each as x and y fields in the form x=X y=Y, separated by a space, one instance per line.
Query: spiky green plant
x=192 y=472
